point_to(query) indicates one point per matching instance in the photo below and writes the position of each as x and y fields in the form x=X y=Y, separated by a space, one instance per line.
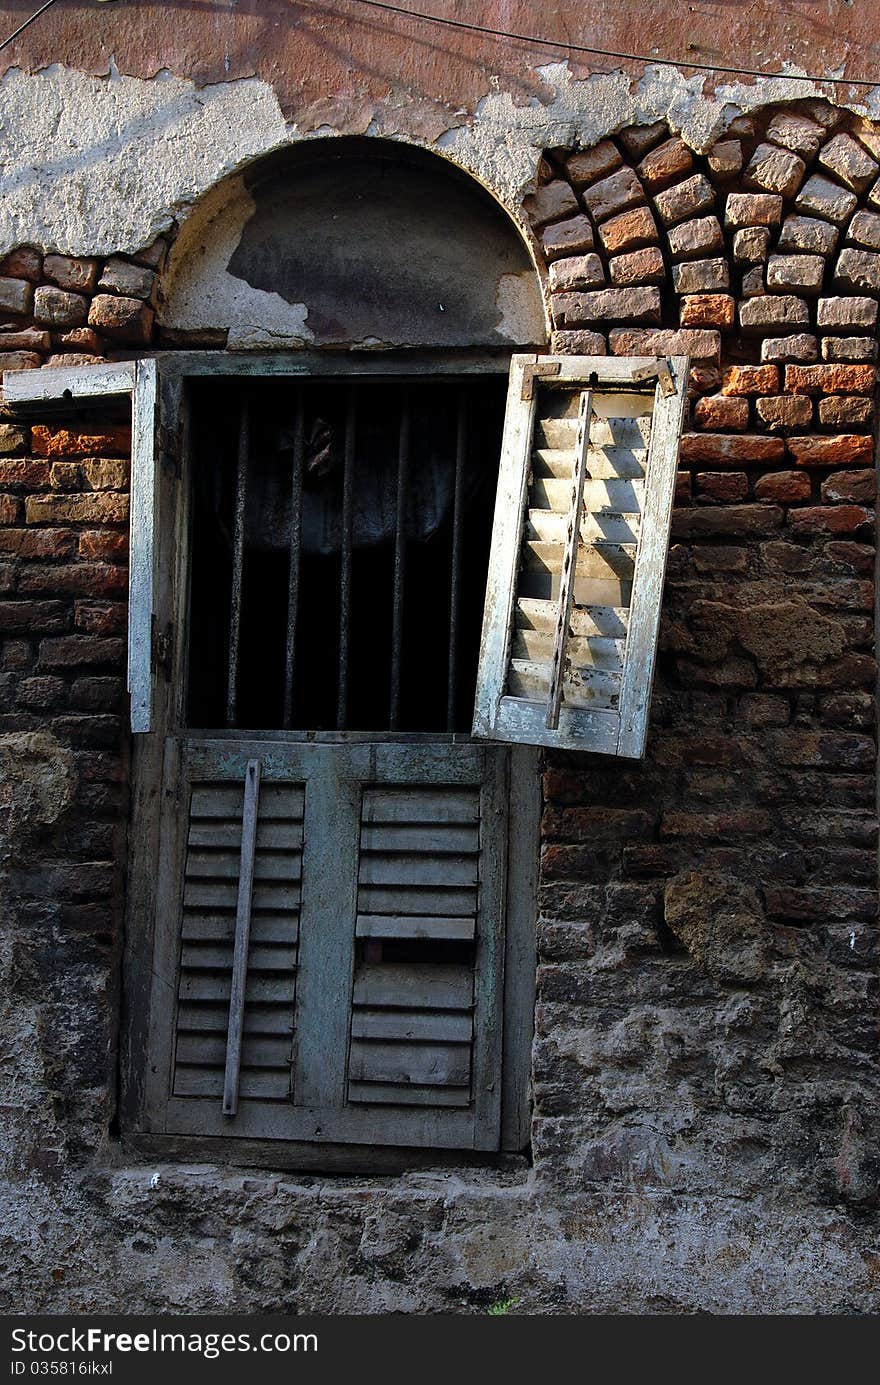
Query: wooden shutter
x=352 y=896
x=579 y=548
x=35 y=392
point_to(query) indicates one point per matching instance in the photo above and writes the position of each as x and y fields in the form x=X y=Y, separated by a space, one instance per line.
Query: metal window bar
x=345 y=560
x=455 y=578
x=399 y=562
x=296 y=496
x=241 y=482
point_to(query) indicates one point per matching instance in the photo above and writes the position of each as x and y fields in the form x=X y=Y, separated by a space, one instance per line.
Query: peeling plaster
x=101 y=165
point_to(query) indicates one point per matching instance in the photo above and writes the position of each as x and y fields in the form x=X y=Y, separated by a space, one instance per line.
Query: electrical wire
x=21 y=28
x=608 y=52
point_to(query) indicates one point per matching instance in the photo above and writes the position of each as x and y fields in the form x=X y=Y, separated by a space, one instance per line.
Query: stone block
x=847 y=314
x=864 y=229
x=716 y=412
x=858 y=270
x=68 y=272
x=750 y=244
x=613 y=194
x=807 y=235
x=752 y=209
x=795 y=273
x=572 y=237
x=750 y=379
x=14 y=439
x=638 y=139
x=752 y=282
x=685 y=200
x=552 y=202
x=122 y=319
x=783 y=413
x=846 y=411
x=722 y=486
x=849 y=348
x=844 y=450
x=769 y=313
x=20 y=360
x=830 y=379
x=22 y=263
x=800 y=346
x=26 y=339
x=607 y=305
x=700 y=276
x=694 y=240
x=588 y=165
x=666 y=163
x=821 y=197
x=775 y=170
x=126 y=279
x=783 y=487
x=577 y=272
x=732 y=521
x=828 y=519
x=699 y=345
x=726 y=158
x=731 y=449
x=796 y=132
x=54 y=307
x=850 y=487
x=578 y=344
x=644 y=266
x=629 y=231
x=16 y=296
x=708 y=310
x=849 y=161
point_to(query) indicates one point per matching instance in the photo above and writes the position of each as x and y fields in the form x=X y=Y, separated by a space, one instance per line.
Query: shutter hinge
x=169 y=446
x=541 y=370
x=162 y=642
x=664 y=375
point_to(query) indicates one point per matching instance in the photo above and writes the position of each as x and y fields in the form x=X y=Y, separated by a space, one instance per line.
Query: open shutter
x=330 y=937
x=579 y=548
x=37 y=392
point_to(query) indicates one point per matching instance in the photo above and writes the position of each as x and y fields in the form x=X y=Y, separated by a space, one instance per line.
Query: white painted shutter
x=579 y=545
x=36 y=392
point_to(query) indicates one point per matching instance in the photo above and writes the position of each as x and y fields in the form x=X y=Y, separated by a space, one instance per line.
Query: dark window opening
x=340 y=545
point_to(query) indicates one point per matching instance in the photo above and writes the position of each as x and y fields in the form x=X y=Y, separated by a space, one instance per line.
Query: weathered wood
x=416 y=1064
x=429 y=805
x=420 y=926
x=586 y=621
x=378 y=868
x=570 y=557
x=407 y=1094
x=250 y=812
x=533 y=646
x=616 y=494
x=598 y=560
x=142 y=548
x=433 y=837
x=549 y=526
x=445 y=986
x=520 y=948
x=436 y=1025
x=603 y=463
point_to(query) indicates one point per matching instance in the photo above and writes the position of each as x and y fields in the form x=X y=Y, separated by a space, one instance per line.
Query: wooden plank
x=281 y=802
x=426 y=805
x=222 y=894
x=597 y=560
x=549 y=526
x=253 y=1083
x=388 y=1094
x=66 y=384
x=436 y=1025
x=615 y=494
x=207 y=1050
x=417 y=1064
x=542 y=585
x=426 y=986
x=219 y=865
x=250 y=814
x=603 y=463
x=202 y=1016
x=226 y=834
x=414 y=899
x=570 y=558
x=559 y=400
x=196 y=955
x=142 y=546
x=521 y=720
x=520 y=952
x=641 y=649
x=435 y=837
x=265 y=928
x=381 y=868
x=584 y=687
x=586 y=621
x=259 y=990
x=420 y=926
x=489 y=962
x=503 y=559
x=534 y=646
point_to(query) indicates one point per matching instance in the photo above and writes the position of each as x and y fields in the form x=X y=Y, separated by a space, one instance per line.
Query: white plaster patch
x=515 y=301
x=201 y=293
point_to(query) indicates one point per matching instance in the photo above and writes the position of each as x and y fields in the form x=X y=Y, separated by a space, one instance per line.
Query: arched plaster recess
x=102 y=165
x=354 y=242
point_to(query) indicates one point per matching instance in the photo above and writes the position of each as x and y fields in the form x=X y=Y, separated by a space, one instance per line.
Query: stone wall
x=705 y=1062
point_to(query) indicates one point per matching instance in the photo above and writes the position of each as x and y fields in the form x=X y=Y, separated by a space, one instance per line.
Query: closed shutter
x=578 y=552
x=367 y=884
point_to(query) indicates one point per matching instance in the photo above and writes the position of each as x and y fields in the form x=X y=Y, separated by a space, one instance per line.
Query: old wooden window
x=331 y=893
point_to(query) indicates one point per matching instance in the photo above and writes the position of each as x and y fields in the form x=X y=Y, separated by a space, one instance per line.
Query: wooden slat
x=443 y=986
x=561 y=403
x=220 y=865
x=599 y=560
x=570 y=559
x=586 y=621
x=434 y=837
x=617 y=495
x=416 y=1064
x=583 y=687
x=386 y=1094
x=250 y=813
x=222 y=894
x=380 y=868
x=218 y=832
x=211 y=986
x=254 y=1083
x=196 y=956
x=411 y=899
x=549 y=526
x=420 y=926
x=603 y=463
x=436 y=1025
x=209 y=1050
x=203 y=1016
x=541 y=585
x=225 y=801
x=265 y=928
x=142 y=542
x=421 y=805
x=534 y=646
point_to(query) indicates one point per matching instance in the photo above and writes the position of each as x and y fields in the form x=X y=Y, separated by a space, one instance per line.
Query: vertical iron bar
x=296 y=485
x=455 y=581
x=235 y=1026
x=399 y=560
x=241 y=481
x=345 y=564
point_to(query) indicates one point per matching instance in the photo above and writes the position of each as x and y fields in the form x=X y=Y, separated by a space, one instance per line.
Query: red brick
x=753 y=209
x=587 y=165
x=616 y=305
x=9 y=511
x=628 y=231
x=737 y=450
x=737 y=822
x=783 y=487
x=846 y=411
x=23 y=263
x=552 y=202
x=613 y=194
x=693 y=240
x=46 y=691
x=694 y=342
x=667 y=162
x=734 y=521
x=90 y=507
x=111 y=441
x=716 y=412
x=830 y=379
x=100 y=617
x=77 y=579
x=751 y=379
x=45 y=616
x=38 y=543
x=73 y=651
x=708 y=310
x=13 y=440
x=682 y=488
x=107 y=545
x=105 y=473
x=644 y=266
x=848 y=449
x=783 y=412
x=578 y=342
x=97 y=694
x=723 y=485
x=828 y=519
x=857 y=487
x=594 y=824
x=572 y=237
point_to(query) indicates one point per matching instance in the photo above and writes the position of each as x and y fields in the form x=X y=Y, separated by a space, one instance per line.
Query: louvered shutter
x=352 y=897
x=578 y=554
x=36 y=392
